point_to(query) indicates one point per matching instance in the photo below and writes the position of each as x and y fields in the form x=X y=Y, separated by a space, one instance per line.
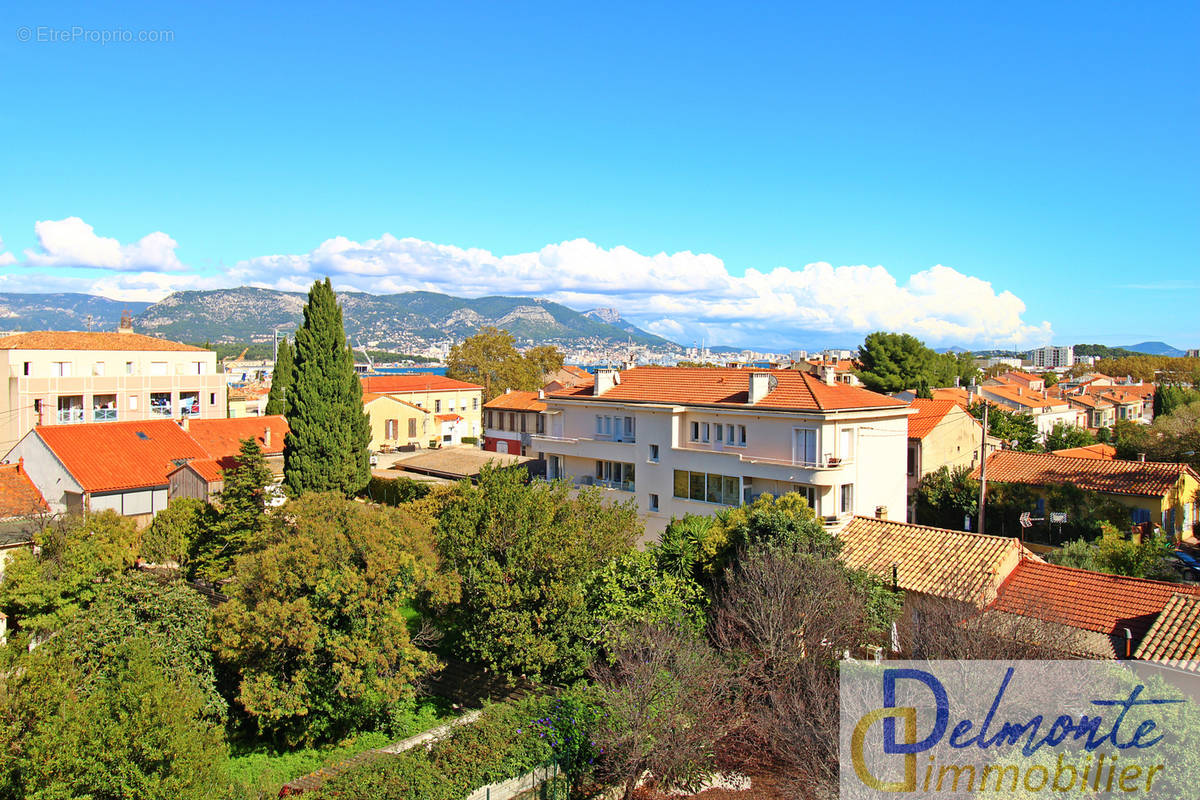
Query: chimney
x=126 y=325
x=541 y=394
x=1141 y=456
x=828 y=375
x=183 y=423
x=20 y=465
x=1020 y=391
x=508 y=390
x=606 y=379
x=267 y=439
x=761 y=384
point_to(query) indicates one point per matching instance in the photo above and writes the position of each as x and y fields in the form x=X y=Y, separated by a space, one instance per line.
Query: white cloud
x=6 y=259
x=683 y=296
x=71 y=242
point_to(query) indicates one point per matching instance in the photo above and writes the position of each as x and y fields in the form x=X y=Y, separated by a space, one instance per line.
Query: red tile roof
x=1101 y=452
x=929 y=414
x=222 y=438
x=1023 y=397
x=371 y=397
x=723 y=387
x=406 y=384
x=448 y=418
x=960 y=397
x=517 y=401
x=1023 y=378
x=88 y=340
x=206 y=468
x=110 y=456
x=1174 y=639
x=1140 y=478
x=1090 y=601
x=18 y=496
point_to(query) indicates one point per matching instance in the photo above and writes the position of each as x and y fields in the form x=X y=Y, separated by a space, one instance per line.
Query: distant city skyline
x=775 y=176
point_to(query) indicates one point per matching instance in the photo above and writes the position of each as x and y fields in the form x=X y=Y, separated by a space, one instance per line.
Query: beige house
x=72 y=377
x=940 y=434
x=439 y=409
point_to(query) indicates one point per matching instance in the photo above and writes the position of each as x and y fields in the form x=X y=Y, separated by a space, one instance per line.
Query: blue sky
x=1044 y=155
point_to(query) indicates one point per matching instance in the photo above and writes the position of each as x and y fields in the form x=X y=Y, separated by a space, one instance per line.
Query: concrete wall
x=46 y=471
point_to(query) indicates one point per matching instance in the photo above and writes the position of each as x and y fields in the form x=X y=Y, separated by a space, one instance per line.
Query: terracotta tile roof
x=968 y=567
x=578 y=372
x=719 y=386
x=1101 y=452
x=407 y=384
x=1024 y=397
x=110 y=456
x=18 y=496
x=1023 y=378
x=929 y=414
x=371 y=397
x=517 y=401
x=222 y=438
x=1090 y=601
x=1140 y=478
x=960 y=397
x=89 y=340
x=1174 y=638
x=1087 y=401
x=448 y=418
x=206 y=468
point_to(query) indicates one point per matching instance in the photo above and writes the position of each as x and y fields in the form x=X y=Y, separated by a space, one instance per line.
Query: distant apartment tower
x=1193 y=353
x=1051 y=357
x=68 y=377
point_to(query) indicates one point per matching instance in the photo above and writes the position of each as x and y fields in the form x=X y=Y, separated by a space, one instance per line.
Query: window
x=627 y=433
x=412 y=427
x=804 y=450
x=70 y=409
x=912 y=461
x=654 y=502
x=654 y=452
x=718 y=433
x=704 y=431
x=617 y=474
x=28 y=367
x=512 y=421
x=848 y=441
x=729 y=433
x=474 y=403
x=212 y=398
x=158 y=368
x=128 y=367
x=707 y=488
x=391 y=428
x=847 y=498
x=695 y=431
x=741 y=435
x=160 y=403
x=488 y=418
x=133 y=402
x=523 y=423
x=540 y=424
x=809 y=493
x=198 y=368
x=60 y=369
x=437 y=406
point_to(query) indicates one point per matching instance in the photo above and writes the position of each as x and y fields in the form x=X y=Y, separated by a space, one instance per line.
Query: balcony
x=67 y=416
x=104 y=415
x=589 y=480
x=825 y=462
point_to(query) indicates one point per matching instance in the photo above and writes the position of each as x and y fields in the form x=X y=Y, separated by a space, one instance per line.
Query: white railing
x=161 y=411
x=69 y=415
x=104 y=415
x=827 y=462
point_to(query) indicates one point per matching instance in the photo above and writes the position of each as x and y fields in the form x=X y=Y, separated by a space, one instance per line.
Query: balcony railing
x=825 y=462
x=588 y=480
x=161 y=411
x=67 y=416
x=104 y=415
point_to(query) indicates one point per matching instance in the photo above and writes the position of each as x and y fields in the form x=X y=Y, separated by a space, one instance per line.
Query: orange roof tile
x=968 y=567
x=89 y=340
x=1023 y=378
x=110 y=456
x=724 y=387
x=1140 y=478
x=371 y=397
x=448 y=418
x=1090 y=601
x=929 y=414
x=517 y=401
x=222 y=438
x=1174 y=638
x=960 y=397
x=1022 y=397
x=406 y=384
x=206 y=468
x=1102 y=452
x=18 y=496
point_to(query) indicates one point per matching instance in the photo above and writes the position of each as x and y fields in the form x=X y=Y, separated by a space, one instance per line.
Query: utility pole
x=983 y=469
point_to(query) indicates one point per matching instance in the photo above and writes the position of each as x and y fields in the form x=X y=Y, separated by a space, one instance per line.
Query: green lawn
x=258 y=773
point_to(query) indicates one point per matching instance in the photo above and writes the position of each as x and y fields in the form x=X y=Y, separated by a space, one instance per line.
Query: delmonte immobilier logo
x=1020 y=729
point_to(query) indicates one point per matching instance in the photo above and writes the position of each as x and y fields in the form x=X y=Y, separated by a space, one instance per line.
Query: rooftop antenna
x=88 y=321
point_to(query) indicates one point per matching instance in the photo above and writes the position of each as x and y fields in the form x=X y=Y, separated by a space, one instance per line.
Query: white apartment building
x=696 y=440
x=1051 y=357
x=66 y=377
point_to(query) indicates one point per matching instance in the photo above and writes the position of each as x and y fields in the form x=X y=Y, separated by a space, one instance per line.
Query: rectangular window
x=718 y=433
x=437 y=406
x=805 y=446
x=599 y=425
x=697 y=485
x=704 y=431
x=128 y=367
x=627 y=434
x=681 y=483
x=412 y=427
x=523 y=423
x=730 y=494
x=512 y=421
x=60 y=369
x=847 y=453
x=133 y=402
x=617 y=474
x=653 y=502
x=474 y=403
x=541 y=424
x=847 y=498
x=742 y=435
x=713 y=495
x=608 y=426
x=98 y=369
x=390 y=428
x=654 y=452
x=695 y=431
x=199 y=368
x=488 y=417
x=212 y=398
x=28 y=367
x=912 y=461
x=158 y=368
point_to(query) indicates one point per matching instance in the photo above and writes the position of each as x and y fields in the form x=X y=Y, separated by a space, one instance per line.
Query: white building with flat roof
x=1051 y=357
x=696 y=440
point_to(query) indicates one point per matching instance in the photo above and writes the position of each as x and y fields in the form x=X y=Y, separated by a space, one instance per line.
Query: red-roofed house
x=20 y=504
x=696 y=440
x=1101 y=615
x=393 y=426
x=510 y=420
x=940 y=434
x=221 y=439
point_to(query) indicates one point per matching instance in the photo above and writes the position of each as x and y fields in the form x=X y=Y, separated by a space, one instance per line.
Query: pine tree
x=243 y=512
x=326 y=448
x=281 y=379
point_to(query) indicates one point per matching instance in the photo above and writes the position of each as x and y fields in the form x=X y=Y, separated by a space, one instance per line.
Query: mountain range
x=397 y=321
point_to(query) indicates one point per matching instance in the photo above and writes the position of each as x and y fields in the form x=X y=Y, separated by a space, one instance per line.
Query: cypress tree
x=326 y=448
x=281 y=379
x=243 y=511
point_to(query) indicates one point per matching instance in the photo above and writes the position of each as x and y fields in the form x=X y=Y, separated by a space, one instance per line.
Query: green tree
x=893 y=362
x=946 y=497
x=630 y=590
x=129 y=730
x=543 y=360
x=1063 y=436
x=176 y=529
x=326 y=446
x=1117 y=554
x=316 y=625
x=242 y=514
x=523 y=551
x=1010 y=426
x=76 y=557
x=689 y=546
x=490 y=359
x=281 y=378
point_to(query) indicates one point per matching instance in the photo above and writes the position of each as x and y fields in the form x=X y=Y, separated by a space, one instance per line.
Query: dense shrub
x=394 y=491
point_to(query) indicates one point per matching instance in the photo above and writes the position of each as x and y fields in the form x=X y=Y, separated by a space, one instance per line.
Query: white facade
x=680 y=459
x=1051 y=357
